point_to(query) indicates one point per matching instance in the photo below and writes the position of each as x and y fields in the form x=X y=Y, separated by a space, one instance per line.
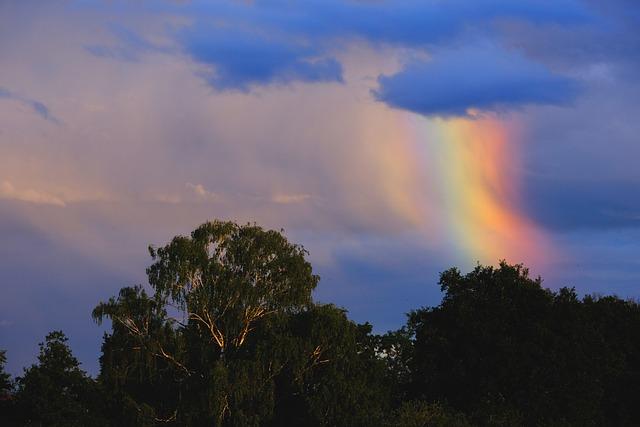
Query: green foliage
x=229 y=336
x=508 y=352
x=135 y=364
x=7 y=406
x=6 y=385
x=226 y=277
x=423 y=414
x=56 y=392
x=227 y=285
x=330 y=375
x=395 y=350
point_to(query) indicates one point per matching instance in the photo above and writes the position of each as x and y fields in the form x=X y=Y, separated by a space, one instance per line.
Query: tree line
x=227 y=334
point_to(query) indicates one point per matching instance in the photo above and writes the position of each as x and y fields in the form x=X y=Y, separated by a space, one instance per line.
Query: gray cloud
x=247 y=44
x=241 y=59
x=478 y=77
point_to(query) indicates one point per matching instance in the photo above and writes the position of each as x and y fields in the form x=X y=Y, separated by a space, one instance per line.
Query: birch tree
x=225 y=277
x=211 y=290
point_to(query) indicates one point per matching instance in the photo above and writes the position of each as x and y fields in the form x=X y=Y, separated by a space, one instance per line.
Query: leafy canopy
x=227 y=276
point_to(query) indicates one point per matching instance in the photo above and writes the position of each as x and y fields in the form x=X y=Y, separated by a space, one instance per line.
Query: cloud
x=10 y=192
x=481 y=78
x=241 y=59
x=246 y=44
x=38 y=107
x=129 y=45
x=405 y=22
x=201 y=192
x=569 y=205
x=286 y=199
x=172 y=199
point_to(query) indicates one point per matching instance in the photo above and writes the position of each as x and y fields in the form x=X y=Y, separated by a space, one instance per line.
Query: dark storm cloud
x=241 y=59
x=482 y=78
x=610 y=39
x=404 y=22
x=257 y=43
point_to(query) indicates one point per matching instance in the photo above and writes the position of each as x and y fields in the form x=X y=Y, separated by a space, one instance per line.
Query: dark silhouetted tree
x=7 y=403
x=221 y=284
x=423 y=414
x=55 y=391
x=229 y=335
x=330 y=374
x=508 y=352
x=139 y=362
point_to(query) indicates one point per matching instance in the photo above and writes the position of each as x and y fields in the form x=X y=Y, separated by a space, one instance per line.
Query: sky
x=392 y=139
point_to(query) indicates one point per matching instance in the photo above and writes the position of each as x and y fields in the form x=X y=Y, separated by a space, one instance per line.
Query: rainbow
x=451 y=185
x=472 y=181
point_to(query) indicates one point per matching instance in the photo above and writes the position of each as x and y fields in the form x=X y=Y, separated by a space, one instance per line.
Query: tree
x=395 y=351
x=56 y=392
x=6 y=385
x=7 y=406
x=226 y=277
x=506 y=351
x=221 y=283
x=328 y=371
x=139 y=361
x=422 y=414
